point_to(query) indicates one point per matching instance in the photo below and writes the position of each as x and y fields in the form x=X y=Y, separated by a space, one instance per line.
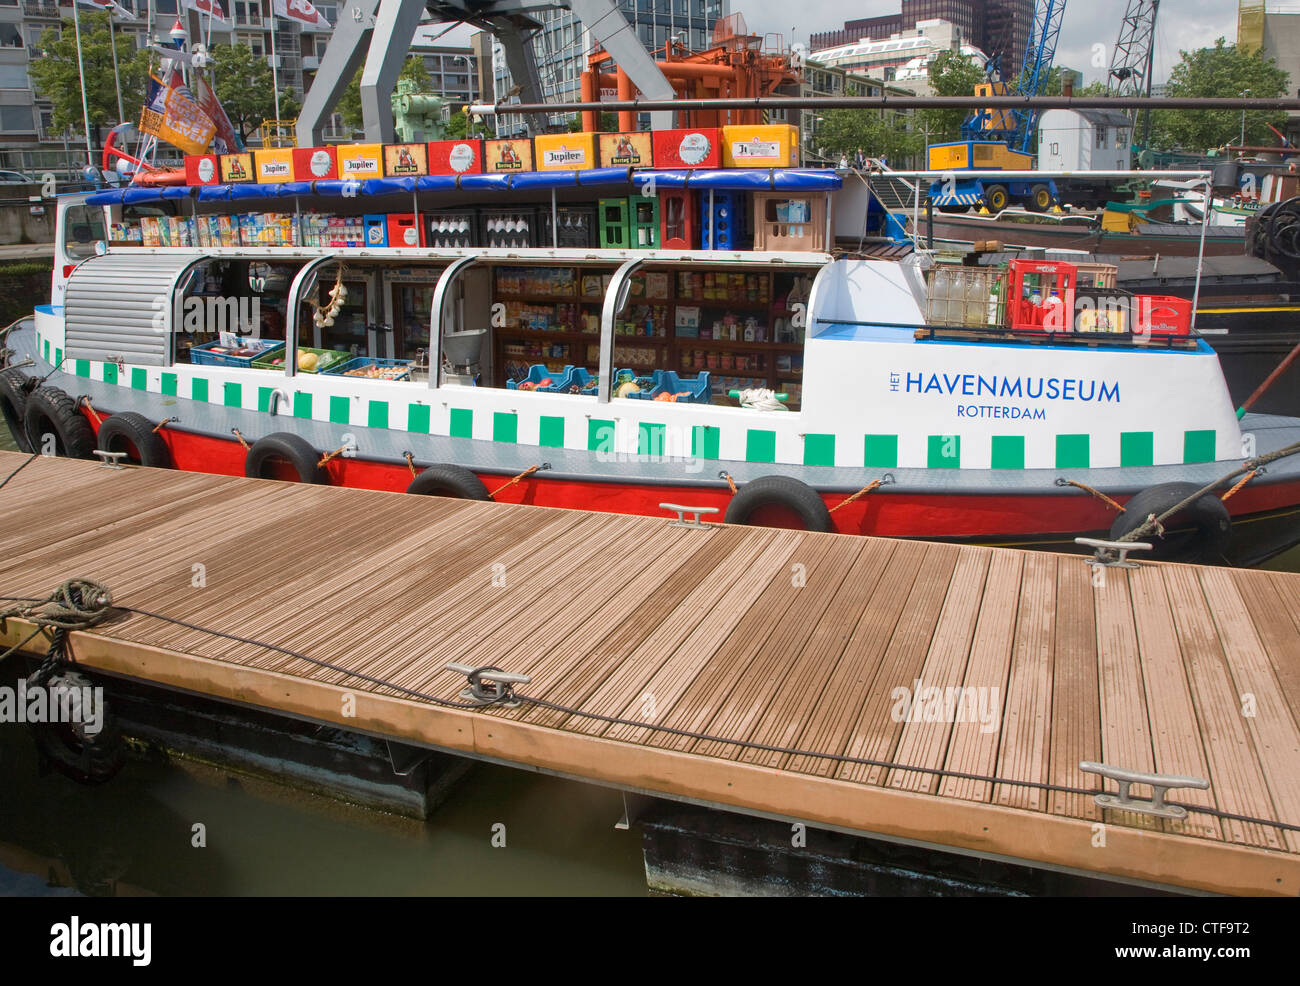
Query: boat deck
x=768 y=658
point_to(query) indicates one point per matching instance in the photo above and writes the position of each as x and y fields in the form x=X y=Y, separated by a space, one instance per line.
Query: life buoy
x=72 y=748
x=129 y=432
x=14 y=387
x=51 y=412
x=780 y=492
x=285 y=447
x=448 y=480
x=1199 y=534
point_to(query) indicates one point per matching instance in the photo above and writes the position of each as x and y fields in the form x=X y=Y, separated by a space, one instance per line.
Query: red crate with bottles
x=1041 y=298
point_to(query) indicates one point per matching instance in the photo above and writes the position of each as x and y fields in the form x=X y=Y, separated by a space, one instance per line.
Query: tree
x=878 y=133
x=1221 y=71
x=243 y=84
x=55 y=77
x=951 y=74
x=461 y=125
x=349 y=107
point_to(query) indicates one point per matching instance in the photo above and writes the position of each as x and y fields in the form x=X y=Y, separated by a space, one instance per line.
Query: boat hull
x=965 y=230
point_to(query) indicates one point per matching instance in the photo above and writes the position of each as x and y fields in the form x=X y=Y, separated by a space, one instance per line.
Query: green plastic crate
x=643 y=222
x=325 y=359
x=615 y=231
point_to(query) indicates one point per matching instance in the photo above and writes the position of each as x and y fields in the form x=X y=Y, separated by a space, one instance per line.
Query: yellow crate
x=626 y=150
x=237 y=168
x=1101 y=320
x=361 y=161
x=273 y=166
x=773 y=145
x=402 y=160
x=515 y=154
x=565 y=152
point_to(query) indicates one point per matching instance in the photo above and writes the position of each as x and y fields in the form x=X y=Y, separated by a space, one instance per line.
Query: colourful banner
x=301 y=11
x=109 y=6
x=212 y=8
x=171 y=114
x=226 y=139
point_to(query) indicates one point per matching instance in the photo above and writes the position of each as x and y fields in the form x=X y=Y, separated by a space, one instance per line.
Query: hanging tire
x=14 y=387
x=129 y=432
x=996 y=197
x=70 y=747
x=447 y=480
x=1040 y=198
x=782 y=495
x=50 y=411
x=286 y=447
x=1199 y=534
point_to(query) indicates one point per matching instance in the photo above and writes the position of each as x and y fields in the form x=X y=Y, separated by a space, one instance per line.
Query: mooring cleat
x=1159 y=784
x=1112 y=554
x=488 y=685
x=110 y=460
x=682 y=511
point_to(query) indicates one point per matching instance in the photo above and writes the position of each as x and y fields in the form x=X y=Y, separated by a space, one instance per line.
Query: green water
x=135 y=834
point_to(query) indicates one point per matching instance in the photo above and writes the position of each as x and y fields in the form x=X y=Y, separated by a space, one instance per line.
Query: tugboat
x=758 y=341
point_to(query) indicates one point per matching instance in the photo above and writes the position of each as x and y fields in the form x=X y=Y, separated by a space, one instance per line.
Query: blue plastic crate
x=213 y=354
x=692 y=390
x=573 y=376
x=401 y=369
x=536 y=374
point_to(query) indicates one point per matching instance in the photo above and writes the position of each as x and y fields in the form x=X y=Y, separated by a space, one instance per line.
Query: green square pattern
x=110 y=373
x=1198 y=446
x=880 y=451
x=169 y=384
x=302 y=405
x=340 y=409
x=82 y=367
x=650 y=438
x=1008 y=452
x=462 y=422
x=505 y=426
x=139 y=378
x=417 y=418
x=198 y=388
x=551 y=434
x=760 y=445
x=1072 y=452
x=1136 y=448
x=943 y=452
x=600 y=435
x=232 y=396
x=377 y=416
x=704 y=441
x=819 y=450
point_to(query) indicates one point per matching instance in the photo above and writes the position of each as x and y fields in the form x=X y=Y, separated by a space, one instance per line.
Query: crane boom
x=1040 y=52
x=1130 y=63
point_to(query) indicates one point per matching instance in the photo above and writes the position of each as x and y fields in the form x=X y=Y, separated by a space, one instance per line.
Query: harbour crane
x=1130 y=62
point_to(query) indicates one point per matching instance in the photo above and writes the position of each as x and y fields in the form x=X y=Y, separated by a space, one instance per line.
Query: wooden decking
x=776 y=638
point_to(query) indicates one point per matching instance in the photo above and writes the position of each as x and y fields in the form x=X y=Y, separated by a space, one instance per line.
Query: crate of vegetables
x=372 y=369
x=242 y=354
x=309 y=360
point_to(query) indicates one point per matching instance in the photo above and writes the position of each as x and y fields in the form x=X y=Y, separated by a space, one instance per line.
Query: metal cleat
x=1159 y=784
x=681 y=511
x=110 y=460
x=1112 y=554
x=489 y=686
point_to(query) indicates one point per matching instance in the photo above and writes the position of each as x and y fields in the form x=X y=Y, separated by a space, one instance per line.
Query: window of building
x=15 y=77
x=164 y=6
x=10 y=36
x=17 y=119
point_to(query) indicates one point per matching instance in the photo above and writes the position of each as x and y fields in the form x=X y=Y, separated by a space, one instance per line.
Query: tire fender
x=294 y=449
x=14 y=390
x=783 y=491
x=448 y=480
x=1199 y=534
x=127 y=428
x=51 y=411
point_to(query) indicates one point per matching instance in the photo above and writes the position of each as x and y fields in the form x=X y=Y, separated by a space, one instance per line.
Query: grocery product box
x=357 y=161
x=455 y=157
x=770 y=145
x=565 y=152
x=515 y=154
x=202 y=169
x=698 y=148
x=274 y=165
x=315 y=163
x=626 y=150
x=405 y=160
x=237 y=168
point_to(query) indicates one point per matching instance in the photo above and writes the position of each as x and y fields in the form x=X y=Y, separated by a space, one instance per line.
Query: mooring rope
x=1154 y=524
x=76 y=604
x=505 y=486
x=104 y=602
x=871 y=487
x=84 y=401
x=1088 y=489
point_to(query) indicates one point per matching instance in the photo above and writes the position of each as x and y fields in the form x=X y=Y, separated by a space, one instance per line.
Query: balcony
x=41 y=8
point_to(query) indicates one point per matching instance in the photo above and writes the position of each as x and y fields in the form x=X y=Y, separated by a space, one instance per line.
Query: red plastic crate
x=202 y=169
x=403 y=230
x=1158 y=314
x=456 y=157
x=315 y=163
x=698 y=148
x=679 y=219
x=1041 y=296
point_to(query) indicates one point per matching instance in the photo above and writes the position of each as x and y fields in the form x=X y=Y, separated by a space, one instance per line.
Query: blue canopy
x=732 y=179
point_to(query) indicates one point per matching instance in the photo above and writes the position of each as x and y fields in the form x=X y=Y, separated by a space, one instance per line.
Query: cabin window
x=232 y=313
x=83 y=226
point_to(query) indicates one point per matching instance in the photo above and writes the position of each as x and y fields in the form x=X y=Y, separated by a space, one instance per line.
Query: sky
x=1180 y=25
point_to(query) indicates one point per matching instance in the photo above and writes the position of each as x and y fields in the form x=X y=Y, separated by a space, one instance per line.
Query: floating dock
x=775 y=673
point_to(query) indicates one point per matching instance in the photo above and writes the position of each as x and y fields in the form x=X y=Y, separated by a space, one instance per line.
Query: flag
x=212 y=8
x=110 y=7
x=226 y=140
x=301 y=11
x=171 y=113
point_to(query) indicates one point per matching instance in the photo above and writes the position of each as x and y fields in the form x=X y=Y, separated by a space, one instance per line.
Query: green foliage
x=243 y=84
x=54 y=73
x=950 y=75
x=878 y=133
x=349 y=105
x=1220 y=71
x=461 y=126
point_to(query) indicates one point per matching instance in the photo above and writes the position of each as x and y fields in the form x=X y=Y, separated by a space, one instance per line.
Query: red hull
x=994 y=517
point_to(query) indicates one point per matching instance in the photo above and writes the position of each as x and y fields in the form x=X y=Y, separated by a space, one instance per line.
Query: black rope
x=509 y=695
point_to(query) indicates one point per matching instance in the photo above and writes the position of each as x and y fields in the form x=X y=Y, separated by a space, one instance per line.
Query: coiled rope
x=76 y=604
x=510 y=695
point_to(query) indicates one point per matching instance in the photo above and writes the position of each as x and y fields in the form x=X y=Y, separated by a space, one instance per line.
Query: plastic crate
x=615 y=232
x=507 y=228
x=686 y=390
x=536 y=374
x=726 y=221
x=1155 y=314
x=1041 y=296
x=573 y=380
x=392 y=369
x=577 y=225
x=451 y=228
x=214 y=354
x=1097 y=276
x=325 y=359
x=629 y=376
x=965 y=296
x=784 y=221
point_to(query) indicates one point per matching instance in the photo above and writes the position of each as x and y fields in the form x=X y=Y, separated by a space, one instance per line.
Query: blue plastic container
x=401 y=368
x=376 y=228
x=206 y=355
